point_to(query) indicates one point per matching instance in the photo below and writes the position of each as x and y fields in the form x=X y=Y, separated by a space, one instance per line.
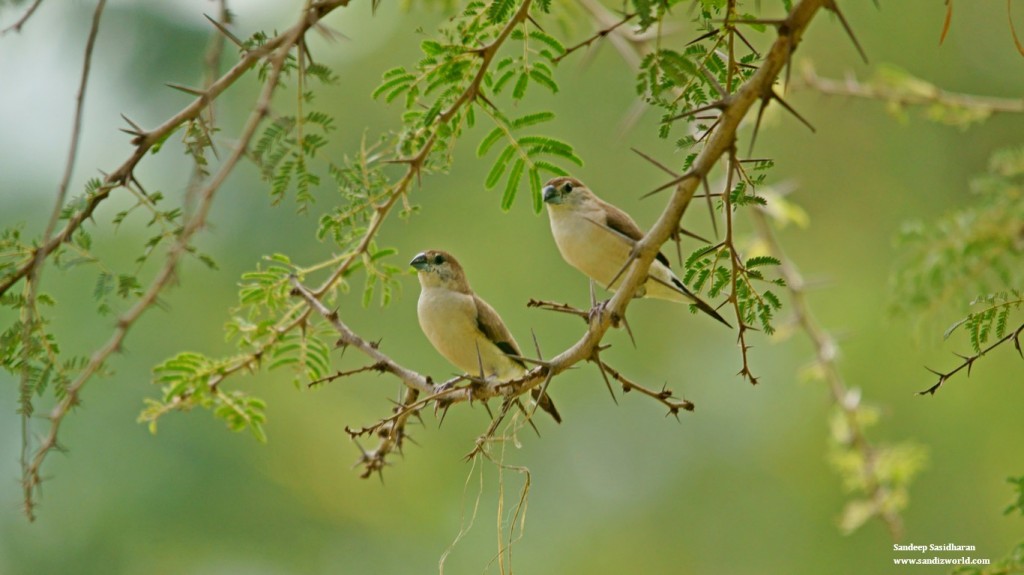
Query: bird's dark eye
x=438 y=260
x=567 y=187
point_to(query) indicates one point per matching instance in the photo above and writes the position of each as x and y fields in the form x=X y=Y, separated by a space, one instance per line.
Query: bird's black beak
x=550 y=195
x=419 y=262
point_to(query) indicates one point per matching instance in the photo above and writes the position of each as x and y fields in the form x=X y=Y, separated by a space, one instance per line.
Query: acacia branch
x=391 y=429
x=145 y=140
x=594 y=37
x=559 y=307
x=737 y=269
x=486 y=54
x=416 y=162
x=623 y=41
x=347 y=337
x=826 y=352
x=392 y=436
x=920 y=94
x=35 y=270
x=32 y=478
x=665 y=396
x=17 y=26
x=968 y=361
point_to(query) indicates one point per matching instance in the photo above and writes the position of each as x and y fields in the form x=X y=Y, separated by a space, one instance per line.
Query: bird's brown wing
x=490 y=324
x=619 y=221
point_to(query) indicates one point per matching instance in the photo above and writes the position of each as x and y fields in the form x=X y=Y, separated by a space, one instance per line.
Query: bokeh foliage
x=518 y=141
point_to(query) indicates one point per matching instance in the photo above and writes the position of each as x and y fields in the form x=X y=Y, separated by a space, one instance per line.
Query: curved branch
x=967 y=361
x=145 y=140
x=17 y=26
x=32 y=477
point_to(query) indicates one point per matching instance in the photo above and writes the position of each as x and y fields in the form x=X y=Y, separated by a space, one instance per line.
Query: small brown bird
x=596 y=238
x=464 y=328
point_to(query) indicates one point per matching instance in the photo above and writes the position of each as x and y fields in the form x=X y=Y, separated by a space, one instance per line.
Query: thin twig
x=34 y=275
x=559 y=307
x=665 y=396
x=737 y=268
x=911 y=96
x=378 y=367
x=392 y=436
x=348 y=337
x=211 y=70
x=16 y=27
x=968 y=360
x=144 y=142
x=486 y=55
x=481 y=442
x=593 y=38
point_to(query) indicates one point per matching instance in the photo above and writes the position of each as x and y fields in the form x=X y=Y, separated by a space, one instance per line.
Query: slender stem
x=145 y=140
x=721 y=139
x=853 y=88
x=17 y=26
x=35 y=271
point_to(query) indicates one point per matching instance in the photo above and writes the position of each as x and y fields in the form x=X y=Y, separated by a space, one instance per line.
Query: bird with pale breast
x=597 y=238
x=464 y=328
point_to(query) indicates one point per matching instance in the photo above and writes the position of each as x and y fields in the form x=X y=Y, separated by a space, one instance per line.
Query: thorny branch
x=35 y=270
x=665 y=396
x=392 y=436
x=595 y=37
x=968 y=360
x=737 y=265
x=378 y=367
x=826 y=352
x=610 y=27
x=20 y=23
x=144 y=140
x=559 y=307
x=278 y=55
x=347 y=337
x=919 y=94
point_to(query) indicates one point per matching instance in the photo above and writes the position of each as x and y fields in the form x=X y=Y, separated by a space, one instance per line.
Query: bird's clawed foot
x=598 y=311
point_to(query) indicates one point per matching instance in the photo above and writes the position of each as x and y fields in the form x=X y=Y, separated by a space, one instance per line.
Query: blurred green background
x=740 y=486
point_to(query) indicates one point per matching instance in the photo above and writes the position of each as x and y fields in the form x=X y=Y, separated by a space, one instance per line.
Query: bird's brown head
x=439 y=268
x=565 y=191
